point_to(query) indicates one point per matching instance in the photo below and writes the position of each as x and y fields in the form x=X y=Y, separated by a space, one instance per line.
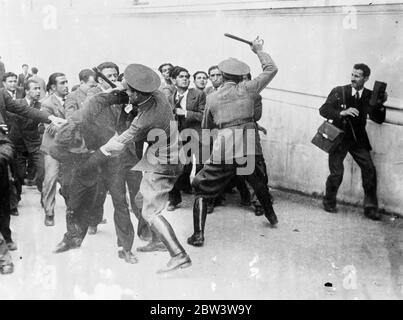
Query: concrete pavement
x=243 y=257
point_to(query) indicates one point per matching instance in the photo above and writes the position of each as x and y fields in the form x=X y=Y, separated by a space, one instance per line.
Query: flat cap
x=234 y=66
x=142 y=78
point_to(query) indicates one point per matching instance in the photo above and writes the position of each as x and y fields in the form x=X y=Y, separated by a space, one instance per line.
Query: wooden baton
x=237 y=38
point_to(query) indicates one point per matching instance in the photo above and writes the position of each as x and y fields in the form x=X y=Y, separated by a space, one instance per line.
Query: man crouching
x=83 y=189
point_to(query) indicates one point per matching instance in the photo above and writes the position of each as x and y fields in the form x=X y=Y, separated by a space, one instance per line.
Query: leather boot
x=154 y=245
x=199 y=221
x=179 y=258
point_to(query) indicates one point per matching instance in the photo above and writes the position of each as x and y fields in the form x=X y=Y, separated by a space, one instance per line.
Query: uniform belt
x=235 y=123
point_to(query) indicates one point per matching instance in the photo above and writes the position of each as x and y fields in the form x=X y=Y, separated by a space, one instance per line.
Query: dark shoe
x=152 y=247
x=172 y=207
x=329 y=208
x=12 y=246
x=63 y=247
x=7 y=268
x=49 y=221
x=180 y=261
x=271 y=216
x=104 y=221
x=372 y=213
x=128 y=256
x=196 y=240
x=92 y=230
x=210 y=207
x=259 y=211
x=14 y=212
x=245 y=203
x=219 y=201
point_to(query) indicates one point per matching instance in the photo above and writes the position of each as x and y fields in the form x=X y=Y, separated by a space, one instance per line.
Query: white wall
x=314 y=43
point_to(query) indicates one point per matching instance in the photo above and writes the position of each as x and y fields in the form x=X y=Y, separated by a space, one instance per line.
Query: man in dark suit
x=6 y=156
x=10 y=84
x=349 y=106
x=24 y=76
x=188 y=107
x=26 y=136
x=83 y=188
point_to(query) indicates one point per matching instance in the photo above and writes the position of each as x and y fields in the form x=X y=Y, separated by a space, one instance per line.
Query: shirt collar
x=184 y=95
x=12 y=94
x=61 y=100
x=353 y=92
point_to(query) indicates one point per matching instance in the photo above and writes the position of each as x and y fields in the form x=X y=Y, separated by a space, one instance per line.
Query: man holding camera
x=348 y=106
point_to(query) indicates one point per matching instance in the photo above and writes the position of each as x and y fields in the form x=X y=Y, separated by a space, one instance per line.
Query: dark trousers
x=368 y=172
x=5 y=200
x=112 y=178
x=183 y=182
x=114 y=181
x=67 y=188
x=31 y=166
x=81 y=200
x=213 y=179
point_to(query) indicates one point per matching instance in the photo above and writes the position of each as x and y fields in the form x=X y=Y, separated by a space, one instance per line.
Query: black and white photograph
x=210 y=153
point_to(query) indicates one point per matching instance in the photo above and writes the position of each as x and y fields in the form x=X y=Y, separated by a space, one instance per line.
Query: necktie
x=178 y=102
x=356 y=98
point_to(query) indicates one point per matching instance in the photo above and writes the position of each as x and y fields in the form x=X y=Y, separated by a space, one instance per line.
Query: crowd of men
x=95 y=140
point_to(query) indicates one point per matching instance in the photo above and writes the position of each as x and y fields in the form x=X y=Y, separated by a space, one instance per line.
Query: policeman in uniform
x=160 y=163
x=231 y=110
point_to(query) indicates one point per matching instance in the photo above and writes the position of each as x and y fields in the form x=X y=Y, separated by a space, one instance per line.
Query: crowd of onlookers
x=30 y=162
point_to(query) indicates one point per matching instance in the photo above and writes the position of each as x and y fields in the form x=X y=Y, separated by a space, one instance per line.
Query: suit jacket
x=333 y=106
x=195 y=104
x=8 y=104
x=52 y=105
x=22 y=78
x=26 y=134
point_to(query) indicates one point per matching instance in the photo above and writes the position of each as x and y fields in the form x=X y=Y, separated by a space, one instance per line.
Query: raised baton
x=237 y=38
x=101 y=75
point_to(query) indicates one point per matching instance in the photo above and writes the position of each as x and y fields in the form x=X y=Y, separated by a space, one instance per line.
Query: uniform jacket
x=333 y=106
x=100 y=118
x=195 y=104
x=8 y=104
x=156 y=117
x=26 y=134
x=231 y=109
x=53 y=106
